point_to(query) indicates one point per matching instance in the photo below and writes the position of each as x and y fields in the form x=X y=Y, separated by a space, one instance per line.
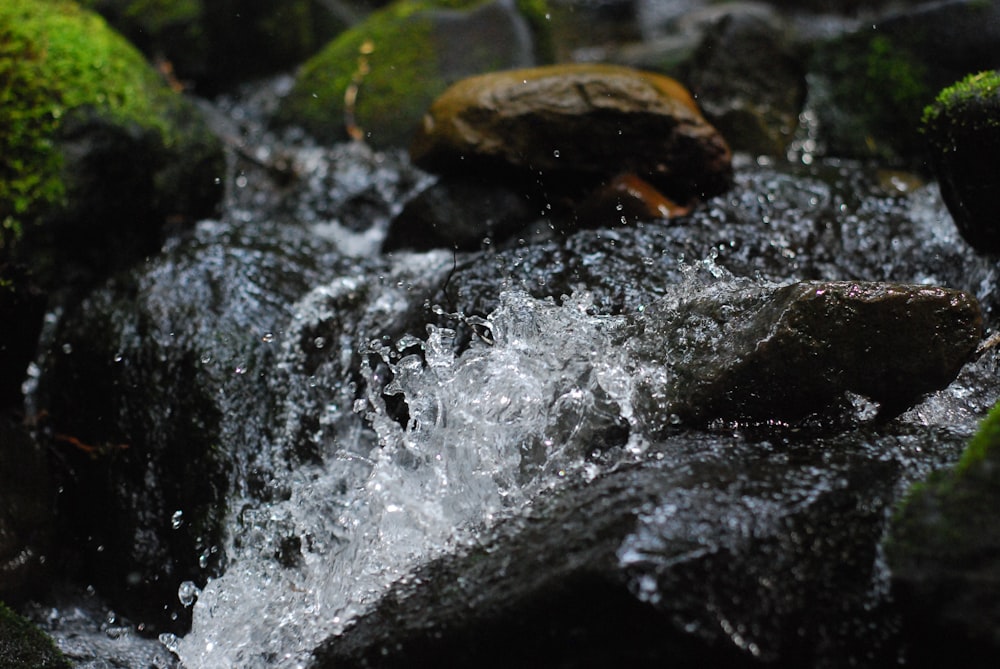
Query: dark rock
x=460 y=213
x=376 y=80
x=24 y=646
x=963 y=134
x=747 y=78
x=157 y=399
x=767 y=353
x=215 y=43
x=944 y=552
x=729 y=554
x=26 y=515
x=22 y=304
x=576 y=123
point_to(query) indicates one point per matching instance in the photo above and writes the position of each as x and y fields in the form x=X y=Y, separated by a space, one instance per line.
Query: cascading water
x=487 y=429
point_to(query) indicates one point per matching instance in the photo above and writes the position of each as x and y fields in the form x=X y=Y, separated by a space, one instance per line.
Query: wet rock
x=214 y=43
x=460 y=213
x=26 y=515
x=624 y=200
x=376 y=80
x=729 y=554
x=576 y=123
x=783 y=353
x=24 y=646
x=157 y=399
x=21 y=303
x=964 y=140
x=748 y=79
x=103 y=154
x=944 y=552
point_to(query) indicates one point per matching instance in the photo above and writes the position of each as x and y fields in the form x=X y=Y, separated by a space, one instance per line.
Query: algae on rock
x=96 y=152
x=404 y=56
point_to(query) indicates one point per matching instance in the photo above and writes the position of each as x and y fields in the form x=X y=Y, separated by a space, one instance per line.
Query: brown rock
x=576 y=121
x=624 y=200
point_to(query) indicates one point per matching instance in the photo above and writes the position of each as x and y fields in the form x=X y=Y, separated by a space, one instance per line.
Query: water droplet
x=119 y=357
x=206 y=358
x=67 y=348
x=267 y=337
x=177 y=519
x=187 y=593
x=319 y=342
x=240 y=370
x=556 y=153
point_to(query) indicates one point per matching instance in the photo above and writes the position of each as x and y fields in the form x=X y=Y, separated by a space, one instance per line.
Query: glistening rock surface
x=744 y=351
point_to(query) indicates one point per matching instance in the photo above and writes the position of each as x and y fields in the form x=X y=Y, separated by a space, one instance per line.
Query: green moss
x=986 y=439
x=158 y=14
x=56 y=58
x=24 y=646
x=962 y=100
x=397 y=69
x=402 y=80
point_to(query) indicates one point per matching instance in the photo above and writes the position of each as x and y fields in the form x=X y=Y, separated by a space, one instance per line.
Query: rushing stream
x=517 y=380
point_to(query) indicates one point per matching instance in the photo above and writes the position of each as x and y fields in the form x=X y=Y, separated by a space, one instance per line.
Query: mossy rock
x=944 y=552
x=214 y=43
x=869 y=87
x=962 y=128
x=872 y=89
x=96 y=152
x=24 y=646
x=402 y=57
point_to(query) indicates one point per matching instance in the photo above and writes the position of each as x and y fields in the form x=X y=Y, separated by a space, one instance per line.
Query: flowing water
x=532 y=392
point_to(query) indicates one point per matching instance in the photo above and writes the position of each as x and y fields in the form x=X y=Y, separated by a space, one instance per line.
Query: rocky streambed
x=485 y=410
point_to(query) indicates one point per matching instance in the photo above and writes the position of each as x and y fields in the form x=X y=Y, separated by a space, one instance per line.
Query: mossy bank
x=24 y=646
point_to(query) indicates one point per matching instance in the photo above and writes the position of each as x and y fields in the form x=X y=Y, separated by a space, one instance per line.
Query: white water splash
x=487 y=429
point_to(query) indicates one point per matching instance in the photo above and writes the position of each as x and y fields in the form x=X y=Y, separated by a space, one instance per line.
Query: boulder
x=214 y=43
x=375 y=80
x=576 y=123
x=944 y=552
x=155 y=395
x=963 y=137
x=100 y=155
x=461 y=213
x=737 y=351
x=868 y=87
x=748 y=79
x=708 y=553
x=26 y=514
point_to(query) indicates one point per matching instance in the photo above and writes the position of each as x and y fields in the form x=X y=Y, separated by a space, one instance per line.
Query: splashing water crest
x=488 y=428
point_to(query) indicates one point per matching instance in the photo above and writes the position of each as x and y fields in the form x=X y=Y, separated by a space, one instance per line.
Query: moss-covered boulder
x=24 y=646
x=962 y=127
x=97 y=154
x=868 y=87
x=376 y=80
x=213 y=43
x=944 y=552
